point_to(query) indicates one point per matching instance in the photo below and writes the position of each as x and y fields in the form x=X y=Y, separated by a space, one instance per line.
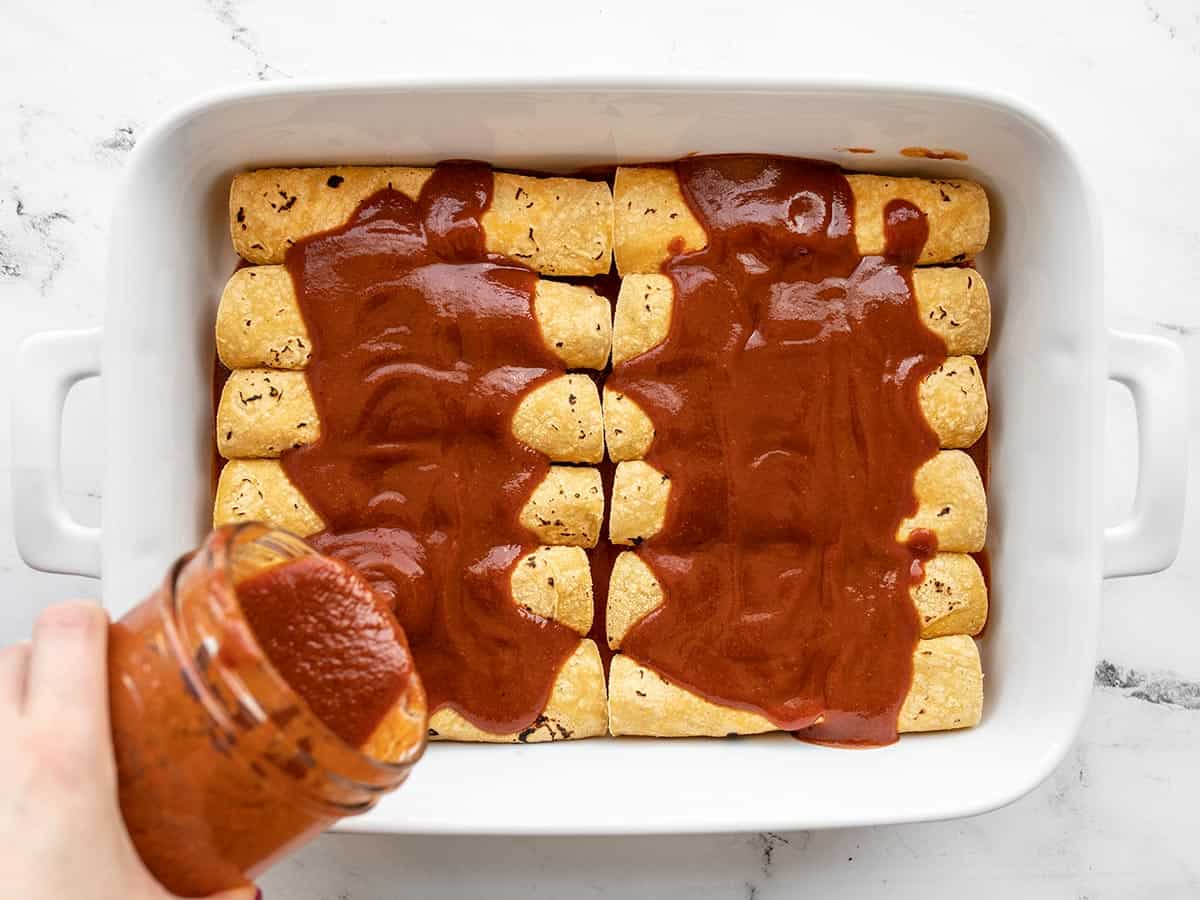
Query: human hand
x=61 y=833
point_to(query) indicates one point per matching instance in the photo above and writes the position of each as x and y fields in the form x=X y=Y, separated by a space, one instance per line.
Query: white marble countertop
x=80 y=81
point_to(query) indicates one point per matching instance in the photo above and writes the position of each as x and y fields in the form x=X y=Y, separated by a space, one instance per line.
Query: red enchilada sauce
x=423 y=345
x=241 y=694
x=787 y=419
x=332 y=639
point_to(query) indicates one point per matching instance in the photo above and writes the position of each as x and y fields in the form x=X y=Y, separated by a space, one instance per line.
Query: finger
x=68 y=673
x=250 y=892
x=14 y=671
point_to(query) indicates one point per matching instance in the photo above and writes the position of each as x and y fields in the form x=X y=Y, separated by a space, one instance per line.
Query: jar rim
x=228 y=554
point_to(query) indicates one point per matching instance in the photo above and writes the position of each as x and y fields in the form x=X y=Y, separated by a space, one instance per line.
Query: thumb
x=249 y=892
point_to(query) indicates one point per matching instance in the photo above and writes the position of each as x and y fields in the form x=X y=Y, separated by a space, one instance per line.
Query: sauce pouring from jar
x=261 y=694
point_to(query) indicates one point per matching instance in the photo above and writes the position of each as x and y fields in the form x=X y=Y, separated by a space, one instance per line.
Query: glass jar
x=221 y=767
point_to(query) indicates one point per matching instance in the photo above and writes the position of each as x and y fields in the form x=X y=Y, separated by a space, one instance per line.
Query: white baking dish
x=1050 y=357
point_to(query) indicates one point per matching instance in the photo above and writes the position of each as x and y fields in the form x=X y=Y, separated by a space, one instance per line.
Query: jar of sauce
x=261 y=694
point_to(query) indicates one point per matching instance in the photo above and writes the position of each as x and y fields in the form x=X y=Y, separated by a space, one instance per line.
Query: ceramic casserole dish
x=1049 y=360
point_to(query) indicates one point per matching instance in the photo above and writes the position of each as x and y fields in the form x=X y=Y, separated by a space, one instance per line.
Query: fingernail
x=258 y=893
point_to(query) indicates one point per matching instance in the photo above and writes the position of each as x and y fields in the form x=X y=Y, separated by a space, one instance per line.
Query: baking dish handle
x=47 y=537
x=1154 y=370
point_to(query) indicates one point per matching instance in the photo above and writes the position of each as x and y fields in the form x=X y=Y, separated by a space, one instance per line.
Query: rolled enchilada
x=557 y=226
x=946 y=693
x=654 y=222
x=951 y=503
x=264 y=412
x=259 y=322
